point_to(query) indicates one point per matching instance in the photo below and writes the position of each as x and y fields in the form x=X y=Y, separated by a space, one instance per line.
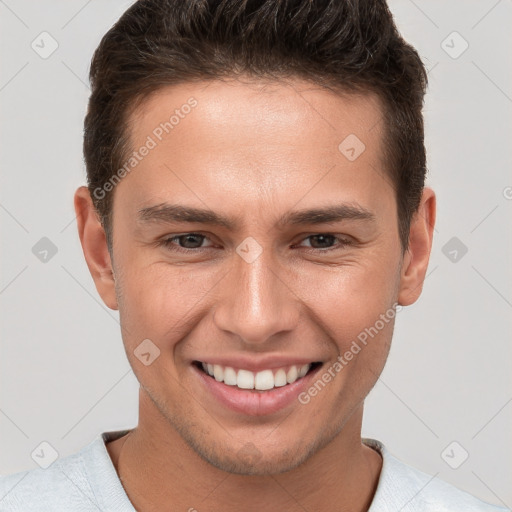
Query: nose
x=256 y=302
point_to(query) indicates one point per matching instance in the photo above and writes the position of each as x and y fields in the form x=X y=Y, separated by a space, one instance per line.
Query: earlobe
x=417 y=256
x=95 y=248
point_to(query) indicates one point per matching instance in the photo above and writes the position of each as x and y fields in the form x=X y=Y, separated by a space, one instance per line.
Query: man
x=255 y=202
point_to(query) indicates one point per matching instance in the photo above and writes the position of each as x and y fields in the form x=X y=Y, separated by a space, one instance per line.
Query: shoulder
x=59 y=485
x=83 y=481
x=403 y=487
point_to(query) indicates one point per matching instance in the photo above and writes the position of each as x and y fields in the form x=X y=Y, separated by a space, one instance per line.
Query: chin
x=250 y=461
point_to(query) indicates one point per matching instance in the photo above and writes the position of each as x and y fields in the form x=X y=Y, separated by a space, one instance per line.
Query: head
x=288 y=138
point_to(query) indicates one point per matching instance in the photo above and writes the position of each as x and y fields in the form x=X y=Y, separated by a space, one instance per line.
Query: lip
x=254 y=402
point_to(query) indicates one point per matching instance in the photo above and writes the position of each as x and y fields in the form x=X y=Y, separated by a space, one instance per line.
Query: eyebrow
x=172 y=213
x=328 y=214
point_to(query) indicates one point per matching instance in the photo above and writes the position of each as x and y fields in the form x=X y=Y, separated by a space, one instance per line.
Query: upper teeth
x=263 y=380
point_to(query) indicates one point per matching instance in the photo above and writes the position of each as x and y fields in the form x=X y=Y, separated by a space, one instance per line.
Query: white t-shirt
x=88 y=482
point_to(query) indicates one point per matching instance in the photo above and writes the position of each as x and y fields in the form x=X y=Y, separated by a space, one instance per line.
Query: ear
x=416 y=257
x=94 y=244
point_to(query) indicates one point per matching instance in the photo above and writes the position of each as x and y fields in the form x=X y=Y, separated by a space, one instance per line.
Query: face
x=259 y=236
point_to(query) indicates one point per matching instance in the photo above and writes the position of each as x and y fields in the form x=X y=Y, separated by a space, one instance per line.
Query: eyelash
x=169 y=243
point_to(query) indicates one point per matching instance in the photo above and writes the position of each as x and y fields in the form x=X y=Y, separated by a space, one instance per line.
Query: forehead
x=262 y=106
x=257 y=140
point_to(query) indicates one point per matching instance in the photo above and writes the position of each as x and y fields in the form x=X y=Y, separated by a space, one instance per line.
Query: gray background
x=64 y=375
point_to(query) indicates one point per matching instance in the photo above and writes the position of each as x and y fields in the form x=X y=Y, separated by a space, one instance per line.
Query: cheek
x=161 y=301
x=348 y=299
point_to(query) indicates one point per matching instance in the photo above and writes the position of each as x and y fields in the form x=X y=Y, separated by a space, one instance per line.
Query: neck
x=157 y=468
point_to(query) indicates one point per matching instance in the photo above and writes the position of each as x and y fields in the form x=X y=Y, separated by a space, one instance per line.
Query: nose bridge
x=256 y=304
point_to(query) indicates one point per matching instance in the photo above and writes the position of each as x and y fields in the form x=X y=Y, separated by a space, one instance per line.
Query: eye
x=193 y=242
x=325 y=241
x=186 y=241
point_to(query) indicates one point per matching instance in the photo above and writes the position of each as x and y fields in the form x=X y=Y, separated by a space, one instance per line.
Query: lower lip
x=253 y=402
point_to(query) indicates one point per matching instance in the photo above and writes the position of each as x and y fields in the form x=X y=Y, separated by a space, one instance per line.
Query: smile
x=263 y=380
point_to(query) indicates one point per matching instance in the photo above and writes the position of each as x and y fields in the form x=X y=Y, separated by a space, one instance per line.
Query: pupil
x=190 y=241
x=324 y=240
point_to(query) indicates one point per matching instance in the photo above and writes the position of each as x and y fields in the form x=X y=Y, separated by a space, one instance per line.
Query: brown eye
x=322 y=241
x=190 y=241
x=186 y=241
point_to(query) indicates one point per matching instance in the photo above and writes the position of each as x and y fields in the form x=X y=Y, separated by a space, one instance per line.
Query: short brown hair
x=348 y=45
